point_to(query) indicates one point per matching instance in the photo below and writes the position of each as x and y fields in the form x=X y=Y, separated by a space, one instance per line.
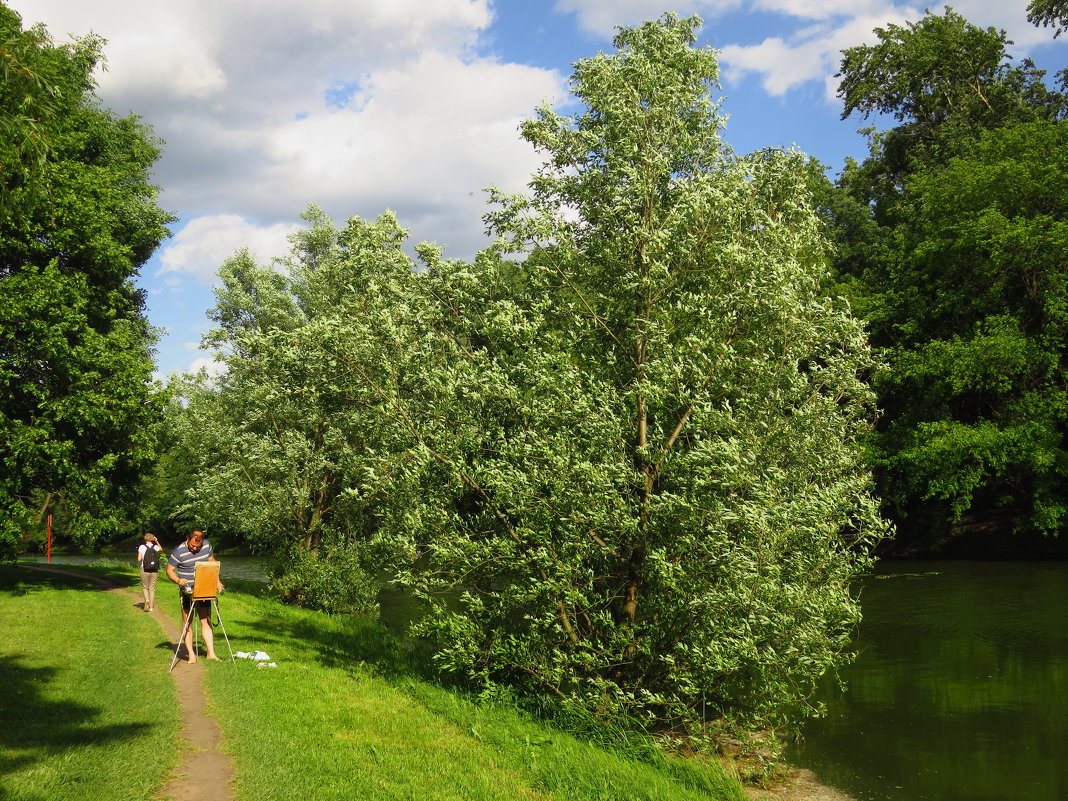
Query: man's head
x=195 y=540
x=150 y=537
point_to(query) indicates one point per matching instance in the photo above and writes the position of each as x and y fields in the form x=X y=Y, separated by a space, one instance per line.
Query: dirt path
x=200 y=733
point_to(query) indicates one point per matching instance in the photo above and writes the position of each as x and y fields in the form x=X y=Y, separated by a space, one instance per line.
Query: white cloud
x=813 y=53
x=423 y=139
x=208 y=364
x=825 y=9
x=602 y=17
x=200 y=247
x=240 y=92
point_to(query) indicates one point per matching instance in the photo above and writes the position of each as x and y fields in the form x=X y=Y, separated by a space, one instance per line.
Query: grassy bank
x=86 y=708
x=346 y=715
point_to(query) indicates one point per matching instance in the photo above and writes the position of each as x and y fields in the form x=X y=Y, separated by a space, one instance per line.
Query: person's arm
x=140 y=553
x=172 y=574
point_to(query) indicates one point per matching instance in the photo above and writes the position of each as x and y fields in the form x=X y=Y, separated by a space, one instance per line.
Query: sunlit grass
x=87 y=710
x=344 y=716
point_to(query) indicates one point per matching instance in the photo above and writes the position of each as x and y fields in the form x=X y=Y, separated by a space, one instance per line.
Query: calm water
x=960 y=691
x=248 y=568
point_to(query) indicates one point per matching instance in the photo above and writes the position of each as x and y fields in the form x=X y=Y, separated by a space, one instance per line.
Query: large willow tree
x=634 y=467
x=617 y=453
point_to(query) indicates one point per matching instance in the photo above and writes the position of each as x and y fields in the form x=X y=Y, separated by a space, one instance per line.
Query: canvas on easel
x=206 y=581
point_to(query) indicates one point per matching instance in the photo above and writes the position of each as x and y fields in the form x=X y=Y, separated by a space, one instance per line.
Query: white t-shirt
x=141 y=550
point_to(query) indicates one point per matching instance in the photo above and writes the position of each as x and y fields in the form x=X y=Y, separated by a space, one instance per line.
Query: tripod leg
x=223 y=627
x=181 y=638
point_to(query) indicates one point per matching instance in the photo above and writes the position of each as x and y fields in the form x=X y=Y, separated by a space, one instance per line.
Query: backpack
x=150 y=561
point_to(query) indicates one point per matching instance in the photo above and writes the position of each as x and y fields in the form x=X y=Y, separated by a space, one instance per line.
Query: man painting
x=181 y=569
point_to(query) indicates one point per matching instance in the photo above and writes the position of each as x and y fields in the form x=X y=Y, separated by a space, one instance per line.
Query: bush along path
x=204 y=771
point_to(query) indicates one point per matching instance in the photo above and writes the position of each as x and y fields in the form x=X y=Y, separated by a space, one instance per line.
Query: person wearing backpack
x=148 y=556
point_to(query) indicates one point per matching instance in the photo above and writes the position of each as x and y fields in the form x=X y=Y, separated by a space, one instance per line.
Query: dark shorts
x=187 y=601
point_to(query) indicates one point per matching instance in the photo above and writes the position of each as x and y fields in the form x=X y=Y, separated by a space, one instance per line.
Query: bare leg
x=190 y=653
x=204 y=610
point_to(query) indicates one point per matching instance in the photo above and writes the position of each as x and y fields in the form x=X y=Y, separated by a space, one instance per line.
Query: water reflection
x=960 y=691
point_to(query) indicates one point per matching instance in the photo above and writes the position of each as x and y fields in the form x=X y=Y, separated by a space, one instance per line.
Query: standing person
x=181 y=569
x=148 y=557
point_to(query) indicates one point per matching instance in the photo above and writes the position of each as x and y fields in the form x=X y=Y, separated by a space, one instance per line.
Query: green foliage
x=951 y=243
x=617 y=455
x=334 y=582
x=78 y=219
x=976 y=395
x=278 y=446
x=1049 y=13
x=640 y=450
x=944 y=80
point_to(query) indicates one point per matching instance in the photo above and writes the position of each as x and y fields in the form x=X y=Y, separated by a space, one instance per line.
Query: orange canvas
x=206 y=581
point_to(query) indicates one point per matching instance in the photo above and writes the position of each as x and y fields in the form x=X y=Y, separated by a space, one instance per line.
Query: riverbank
x=362 y=647
x=798 y=785
x=343 y=712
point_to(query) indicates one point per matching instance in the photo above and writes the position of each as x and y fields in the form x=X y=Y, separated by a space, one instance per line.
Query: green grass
x=345 y=716
x=87 y=710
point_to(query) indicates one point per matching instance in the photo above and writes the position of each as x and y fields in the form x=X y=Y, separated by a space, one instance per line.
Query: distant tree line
x=951 y=242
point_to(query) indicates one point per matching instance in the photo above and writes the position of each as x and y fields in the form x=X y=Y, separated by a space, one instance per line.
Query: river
x=248 y=568
x=960 y=689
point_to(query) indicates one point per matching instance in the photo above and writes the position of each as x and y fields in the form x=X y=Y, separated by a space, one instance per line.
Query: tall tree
x=279 y=443
x=1049 y=13
x=635 y=456
x=78 y=219
x=953 y=248
x=618 y=454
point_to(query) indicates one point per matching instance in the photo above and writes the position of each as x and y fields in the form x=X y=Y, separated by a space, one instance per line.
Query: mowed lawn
x=87 y=710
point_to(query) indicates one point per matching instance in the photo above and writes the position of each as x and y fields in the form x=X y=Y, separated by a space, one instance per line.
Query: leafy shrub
x=334 y=581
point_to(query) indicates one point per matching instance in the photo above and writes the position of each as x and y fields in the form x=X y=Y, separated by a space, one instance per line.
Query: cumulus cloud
x=267 y=106
x=808 y=52
x=602 y=17
x=813 y=53
x=204 y=243
x=422 y=139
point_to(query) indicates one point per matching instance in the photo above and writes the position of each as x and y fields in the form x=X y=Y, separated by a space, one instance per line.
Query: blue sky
x=357 y=106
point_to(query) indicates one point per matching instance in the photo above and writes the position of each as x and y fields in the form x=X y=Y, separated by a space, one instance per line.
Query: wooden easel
x=205 y=588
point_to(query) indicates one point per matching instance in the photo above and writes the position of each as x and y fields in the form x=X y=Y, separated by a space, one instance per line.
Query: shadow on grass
x=21 y=578
x=345 y=642
x=34 y=728
x=19 y=581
